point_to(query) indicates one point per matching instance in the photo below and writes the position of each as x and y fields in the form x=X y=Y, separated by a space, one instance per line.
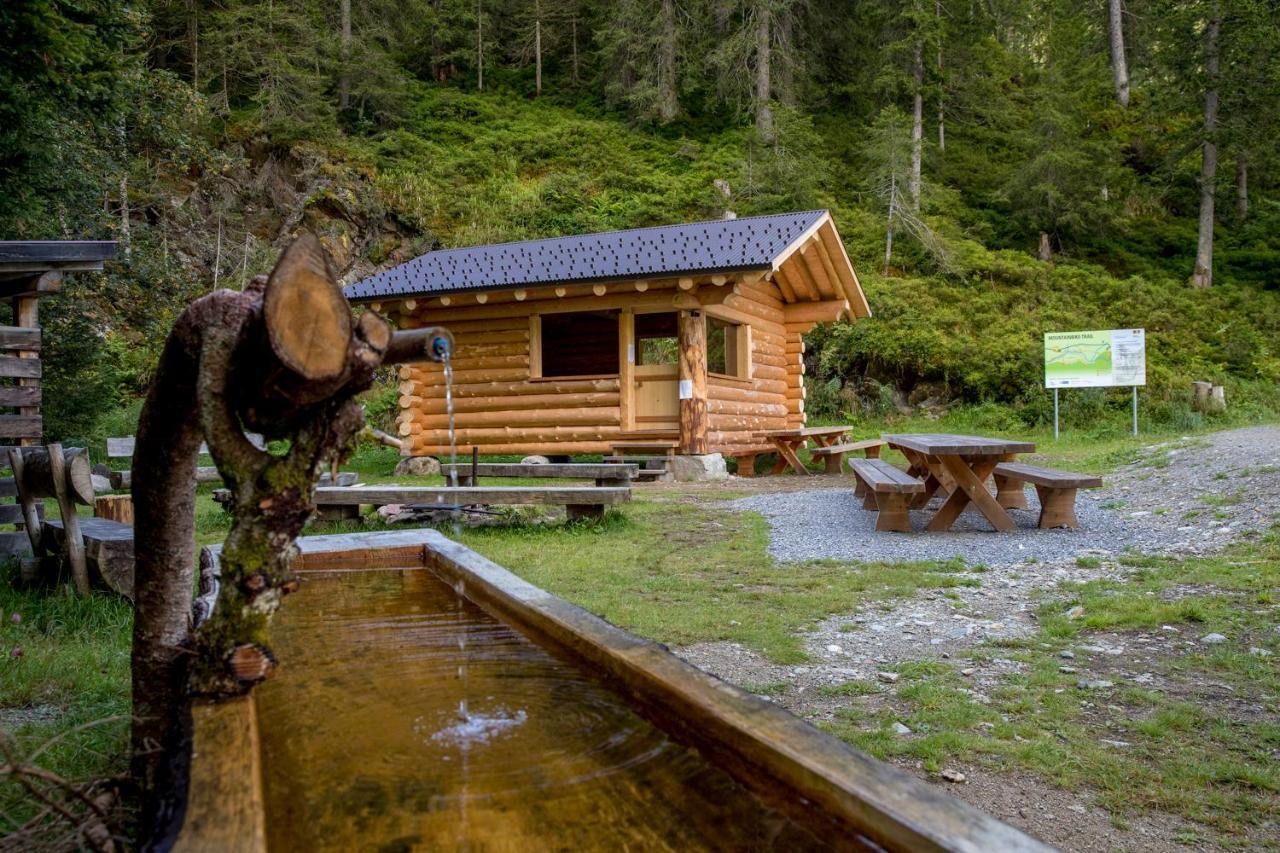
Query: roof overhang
x=30 y=260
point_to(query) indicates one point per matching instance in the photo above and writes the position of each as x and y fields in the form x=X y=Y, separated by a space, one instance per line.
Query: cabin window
x=656 y=341
x=581 y=343
x=728 y=348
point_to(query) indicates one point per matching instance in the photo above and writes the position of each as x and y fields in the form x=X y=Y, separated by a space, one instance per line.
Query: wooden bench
x=578 y=501
x=1056 y=490
x=834 y=454
x=108 y=548
x=887 y=489
x=746 y=457
x=605 y=474
x=121 y=447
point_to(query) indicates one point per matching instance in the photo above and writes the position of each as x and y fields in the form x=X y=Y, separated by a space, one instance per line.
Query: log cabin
x=687 y=337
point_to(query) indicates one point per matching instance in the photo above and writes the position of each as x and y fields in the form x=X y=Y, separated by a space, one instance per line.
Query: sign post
x=1097 y=359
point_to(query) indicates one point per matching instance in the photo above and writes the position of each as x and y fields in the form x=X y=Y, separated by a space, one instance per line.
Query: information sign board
x=1096 y=359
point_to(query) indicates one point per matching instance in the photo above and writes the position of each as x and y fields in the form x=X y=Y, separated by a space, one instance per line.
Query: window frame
x=535 y=351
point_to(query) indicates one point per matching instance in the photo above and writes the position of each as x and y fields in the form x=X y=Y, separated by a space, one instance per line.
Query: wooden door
x=656 y=372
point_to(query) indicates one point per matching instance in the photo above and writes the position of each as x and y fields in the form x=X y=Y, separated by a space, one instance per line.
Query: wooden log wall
x=739 y=410
x=501 y=409
x=498 y=406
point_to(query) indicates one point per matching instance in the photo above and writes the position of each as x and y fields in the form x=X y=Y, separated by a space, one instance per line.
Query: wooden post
x=26 y=313
x=70 y=520
x=691 y=332
x=114 y=507
x=26 y=500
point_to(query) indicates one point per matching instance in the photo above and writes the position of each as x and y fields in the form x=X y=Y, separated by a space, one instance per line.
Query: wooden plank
x=122 y=447
x=20 y=426
x=24 y=368
x=880 y=476
x=19 y=338
x=1047 y=476
x=226 y=809
x=568 y=470
x=944 y=444
x=24 y=396
x=465 y=495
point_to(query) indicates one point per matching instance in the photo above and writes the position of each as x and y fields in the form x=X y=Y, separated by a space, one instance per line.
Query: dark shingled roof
x=722 y=245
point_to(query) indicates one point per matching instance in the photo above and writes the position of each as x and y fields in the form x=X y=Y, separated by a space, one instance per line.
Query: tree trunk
x=537 y=48
x=1119 y=67
x=1045 y=252
x=1203 y=274
x=479 y=47
x=283 y=358
x=764 y=107
x=888 y=228
x=942 y=123
x=574 y=25
x=668 y=103
x=917 y=126
x=344 y=80
x=193 y=35
x=1242 y=185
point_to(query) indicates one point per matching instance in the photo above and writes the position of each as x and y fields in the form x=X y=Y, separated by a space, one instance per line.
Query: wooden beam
x=685 y=283
x=827 y=311
x=40 y=285
x=642 y=286
x=599 y=289
x=482 y=298
x=520 y=295
x=783 y=281
x=844 y=269
x=691 y=334
x=813 y=264
x=802 y=281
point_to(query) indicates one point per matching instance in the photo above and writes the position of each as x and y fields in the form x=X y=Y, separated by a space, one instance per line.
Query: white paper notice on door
x=686 y=389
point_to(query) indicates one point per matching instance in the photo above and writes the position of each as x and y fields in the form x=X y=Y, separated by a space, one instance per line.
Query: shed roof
x=715 y=246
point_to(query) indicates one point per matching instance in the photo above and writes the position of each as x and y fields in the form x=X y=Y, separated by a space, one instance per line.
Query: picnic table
x=961 y=464
x=788 y=441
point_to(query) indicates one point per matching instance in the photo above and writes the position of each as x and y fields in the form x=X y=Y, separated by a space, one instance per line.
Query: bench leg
x=1010 y=494
x=868 y=497
x=576 y=512
x=834 y=463
x=859 y=487
x=891 y=512
x=873 y=452
x=1057 y=507
x=747 y=465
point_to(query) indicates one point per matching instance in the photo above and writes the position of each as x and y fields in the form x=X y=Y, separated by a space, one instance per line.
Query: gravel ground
x=1188 y=496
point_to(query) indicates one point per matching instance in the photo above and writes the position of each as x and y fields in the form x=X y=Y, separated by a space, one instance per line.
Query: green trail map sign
x=1100 y=359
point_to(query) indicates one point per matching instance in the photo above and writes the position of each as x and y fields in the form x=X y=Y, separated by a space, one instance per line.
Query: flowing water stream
x=409 y=719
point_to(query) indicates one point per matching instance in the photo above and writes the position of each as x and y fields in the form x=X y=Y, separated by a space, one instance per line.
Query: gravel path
x=1188 y=496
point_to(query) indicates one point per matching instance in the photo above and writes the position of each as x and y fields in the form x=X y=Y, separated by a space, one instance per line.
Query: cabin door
x=656 y=373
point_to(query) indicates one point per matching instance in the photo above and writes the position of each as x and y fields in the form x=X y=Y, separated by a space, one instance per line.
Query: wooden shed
x=688 y=335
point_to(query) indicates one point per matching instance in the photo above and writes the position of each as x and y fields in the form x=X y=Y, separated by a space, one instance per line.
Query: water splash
x=472 y=729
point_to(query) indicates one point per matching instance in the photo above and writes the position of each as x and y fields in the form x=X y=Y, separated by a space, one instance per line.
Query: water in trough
x=410 y=719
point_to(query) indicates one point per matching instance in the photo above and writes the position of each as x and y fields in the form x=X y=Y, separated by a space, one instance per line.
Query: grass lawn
x=1203 y=747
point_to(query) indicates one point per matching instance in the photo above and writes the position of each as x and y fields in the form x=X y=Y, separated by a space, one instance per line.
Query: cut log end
x=251 y=663
x=308 y=319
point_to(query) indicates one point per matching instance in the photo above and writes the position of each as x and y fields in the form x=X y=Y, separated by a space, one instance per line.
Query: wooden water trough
x=819 y=792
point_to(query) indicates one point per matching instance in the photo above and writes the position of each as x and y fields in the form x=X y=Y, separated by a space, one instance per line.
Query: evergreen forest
x=998 y=169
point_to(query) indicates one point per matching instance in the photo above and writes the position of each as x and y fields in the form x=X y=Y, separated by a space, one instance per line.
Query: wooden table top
x=808 y=432
x=946 y=444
